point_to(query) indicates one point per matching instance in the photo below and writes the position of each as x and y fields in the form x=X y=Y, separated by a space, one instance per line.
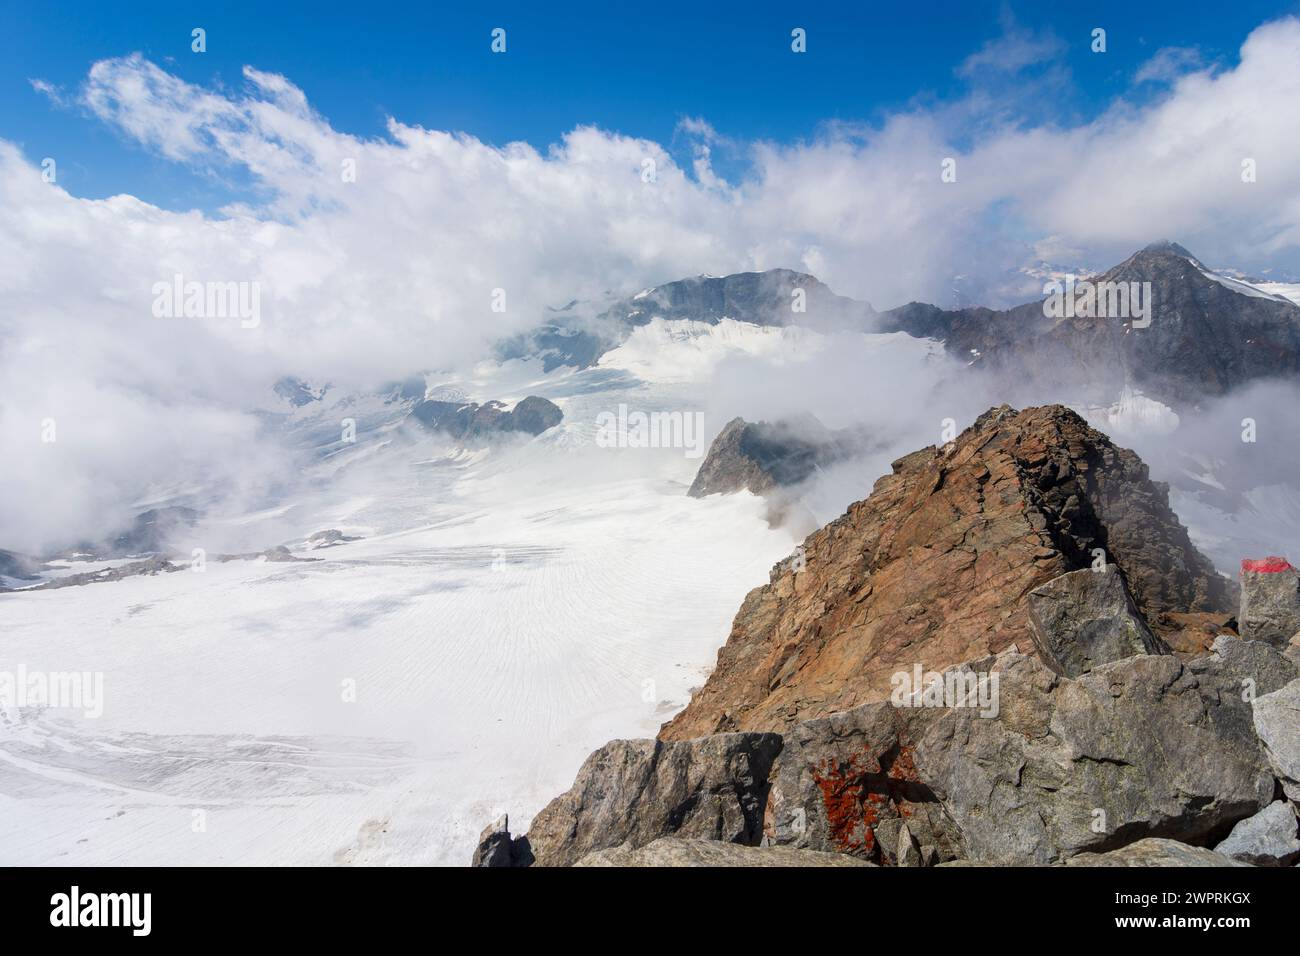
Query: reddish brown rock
x=1193 y=634
x=933 y=567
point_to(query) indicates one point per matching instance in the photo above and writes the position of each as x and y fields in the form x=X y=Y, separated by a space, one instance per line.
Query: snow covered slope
x=504 y=611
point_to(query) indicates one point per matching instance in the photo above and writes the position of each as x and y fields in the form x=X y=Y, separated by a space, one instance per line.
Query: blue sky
x=630 y=68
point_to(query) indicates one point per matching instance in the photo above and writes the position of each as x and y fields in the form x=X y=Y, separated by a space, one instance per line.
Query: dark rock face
x=1266 y=839
x=759 y=456
x=153 y=530
x=1142 y=747
x=534 y=415
x=635 y=791
x=496 y=848
x=1155 y=851
x=675 y=851
x=461 y=420
x=933 y=566
x=1270 y=600
x=1086 y=618
x=1204 y=337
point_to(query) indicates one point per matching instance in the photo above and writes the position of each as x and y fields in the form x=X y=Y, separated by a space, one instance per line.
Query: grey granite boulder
x=1156 y=852
x=1292 y=650
x=675 y=851
x=1086 y=618
x=1143 y=747
x=1254 y=666
x=635 y=791
x=1277 y=722
x=1266 y=839
x=1270 y=601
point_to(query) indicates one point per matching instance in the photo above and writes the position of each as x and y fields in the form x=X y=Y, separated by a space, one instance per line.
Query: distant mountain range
x=774 y=297
x=1204 y=333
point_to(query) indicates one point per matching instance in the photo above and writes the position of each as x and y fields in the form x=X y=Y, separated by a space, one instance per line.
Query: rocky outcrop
x=1277 y=722
x=149 y=566
x=1000 y=761
x=762 y=456
x=1097 y=747
x=330 y=538
x=933 y=568
x=496 y=848
x=278 y=554
x=1086 y=618
x=1266 y=839
x=635 y=791
x=1141 y=747
x=1270 y=600
x=674 y=851
x=1156 y=852
x=534 y=415
x=466 y=420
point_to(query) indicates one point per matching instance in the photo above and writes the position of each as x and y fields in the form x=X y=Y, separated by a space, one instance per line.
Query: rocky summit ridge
x=1060 y=700
x=934 y=566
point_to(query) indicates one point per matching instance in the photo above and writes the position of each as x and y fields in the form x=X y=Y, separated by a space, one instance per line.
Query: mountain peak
x=832 y=642
x=1166 y=245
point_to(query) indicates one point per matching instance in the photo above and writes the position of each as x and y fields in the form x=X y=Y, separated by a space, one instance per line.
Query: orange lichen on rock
x=850 y=814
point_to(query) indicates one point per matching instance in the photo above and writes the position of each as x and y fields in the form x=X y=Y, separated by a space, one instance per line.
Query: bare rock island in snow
x=763 y=456
x=464 y=420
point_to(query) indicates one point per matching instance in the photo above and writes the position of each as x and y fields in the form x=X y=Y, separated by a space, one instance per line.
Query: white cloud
x=48 y=90
x=1168 y=64
x=1016 y=49
x=367 y=280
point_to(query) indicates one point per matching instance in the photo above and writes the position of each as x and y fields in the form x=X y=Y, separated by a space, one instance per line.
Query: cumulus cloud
x=380 y=256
